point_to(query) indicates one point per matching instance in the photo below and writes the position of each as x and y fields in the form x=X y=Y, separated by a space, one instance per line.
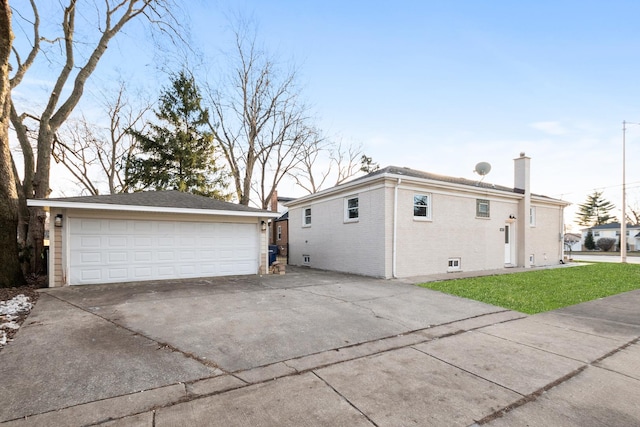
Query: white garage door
x=108 y=251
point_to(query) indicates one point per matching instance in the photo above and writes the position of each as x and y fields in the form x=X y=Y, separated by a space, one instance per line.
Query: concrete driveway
x=314 y=348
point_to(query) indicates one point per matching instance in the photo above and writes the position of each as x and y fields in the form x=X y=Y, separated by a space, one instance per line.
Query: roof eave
x=434 y=182
x=139 y=208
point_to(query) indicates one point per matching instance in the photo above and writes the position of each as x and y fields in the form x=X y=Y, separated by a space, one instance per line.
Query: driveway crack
x=160 y=344
x=342 y=396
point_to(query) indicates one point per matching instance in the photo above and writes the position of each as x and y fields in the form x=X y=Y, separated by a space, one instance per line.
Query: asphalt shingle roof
x=161 y=199
x=428 y=175
x=432 y=176
x=611 y=226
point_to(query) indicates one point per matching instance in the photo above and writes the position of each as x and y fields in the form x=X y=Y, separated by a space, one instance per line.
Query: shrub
x=606 y=243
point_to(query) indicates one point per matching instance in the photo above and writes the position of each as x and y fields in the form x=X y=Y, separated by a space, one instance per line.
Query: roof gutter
x=158 y=209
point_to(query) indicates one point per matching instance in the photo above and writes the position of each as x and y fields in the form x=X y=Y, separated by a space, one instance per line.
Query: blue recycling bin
x=273 y=252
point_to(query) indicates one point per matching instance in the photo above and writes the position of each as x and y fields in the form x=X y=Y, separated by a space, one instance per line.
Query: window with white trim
x=483 y=208
x=306 y=259
x=422 y=206
x=279 y=233
x=351 y=209
x=453 y=264
x=306 y=217
x=532 y=216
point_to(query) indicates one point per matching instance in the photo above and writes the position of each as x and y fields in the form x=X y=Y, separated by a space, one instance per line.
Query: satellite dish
x=483 y=168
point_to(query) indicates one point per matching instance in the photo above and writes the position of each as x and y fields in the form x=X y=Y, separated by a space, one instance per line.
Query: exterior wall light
x=58 y=220
x=264 y=226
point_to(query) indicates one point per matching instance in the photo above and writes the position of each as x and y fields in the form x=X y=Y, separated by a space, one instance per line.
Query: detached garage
x=152 y=236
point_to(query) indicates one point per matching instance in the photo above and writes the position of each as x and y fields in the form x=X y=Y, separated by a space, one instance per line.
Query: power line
x=560 y=195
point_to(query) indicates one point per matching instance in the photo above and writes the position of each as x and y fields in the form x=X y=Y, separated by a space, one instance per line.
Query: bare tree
x=95 y=155
x=80 y=59
x=322 y=159
x=10 y=272
x=276 y=161
x=633 y=214
x=260 y=119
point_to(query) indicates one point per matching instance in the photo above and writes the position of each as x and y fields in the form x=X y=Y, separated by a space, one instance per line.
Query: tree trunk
x=37 y=215
x=10 y=272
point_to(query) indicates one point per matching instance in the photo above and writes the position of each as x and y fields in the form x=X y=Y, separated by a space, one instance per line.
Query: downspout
x=562 y=232
x=395 y=230
x=264 y=238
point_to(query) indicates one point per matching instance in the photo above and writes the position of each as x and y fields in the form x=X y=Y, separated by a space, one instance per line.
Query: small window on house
x=306 y=259
x=453 y=264
x=279 y=233
x=596 y=234
x=532 y=216
x=306 y=217
x=483 y=208
x=422 y=206
x=352 y=212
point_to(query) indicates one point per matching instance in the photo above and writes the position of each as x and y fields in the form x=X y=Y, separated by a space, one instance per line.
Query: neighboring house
x=572 y=242
x=399 y=222
x=612 y=231
x=279 y=227
x=151 y=236
x=281 y=234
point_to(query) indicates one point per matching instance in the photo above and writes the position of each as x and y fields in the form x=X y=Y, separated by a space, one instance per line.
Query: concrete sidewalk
x=316 y=348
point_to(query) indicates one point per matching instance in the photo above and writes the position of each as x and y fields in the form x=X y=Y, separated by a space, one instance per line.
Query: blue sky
x=441 y=85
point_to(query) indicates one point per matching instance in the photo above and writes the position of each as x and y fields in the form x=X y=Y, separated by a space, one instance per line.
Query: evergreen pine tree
x=178 y=153
x=595 y=211
x=589 y=243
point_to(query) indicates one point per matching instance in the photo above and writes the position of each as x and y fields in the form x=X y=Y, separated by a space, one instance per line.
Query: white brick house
x=399 y=222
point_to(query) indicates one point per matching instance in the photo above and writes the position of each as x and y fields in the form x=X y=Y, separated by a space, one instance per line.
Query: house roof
x=154 y=201
x=395 y=171
x=572 y=237
x=611 y=226
x=284 y=217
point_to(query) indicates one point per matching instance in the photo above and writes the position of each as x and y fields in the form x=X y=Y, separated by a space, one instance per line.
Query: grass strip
x=537 y=291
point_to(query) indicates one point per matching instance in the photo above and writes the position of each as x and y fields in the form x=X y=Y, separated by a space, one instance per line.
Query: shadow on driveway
x=314 y=348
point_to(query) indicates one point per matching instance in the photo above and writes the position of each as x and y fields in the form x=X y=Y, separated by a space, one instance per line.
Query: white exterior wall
x=454 y=231
x=423 y=246
x=333 y=244
x=547 y=242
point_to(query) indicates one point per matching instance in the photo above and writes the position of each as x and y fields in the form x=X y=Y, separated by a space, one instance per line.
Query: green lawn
x=543 y=290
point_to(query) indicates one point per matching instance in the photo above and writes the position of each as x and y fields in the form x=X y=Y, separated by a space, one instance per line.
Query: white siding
x=546 y=237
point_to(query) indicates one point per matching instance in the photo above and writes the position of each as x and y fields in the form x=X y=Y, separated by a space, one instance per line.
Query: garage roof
x=171 y=201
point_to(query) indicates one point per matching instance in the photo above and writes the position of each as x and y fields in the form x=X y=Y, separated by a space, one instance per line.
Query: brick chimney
x=522 y=172
x=522 y=185
x=274 y=201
